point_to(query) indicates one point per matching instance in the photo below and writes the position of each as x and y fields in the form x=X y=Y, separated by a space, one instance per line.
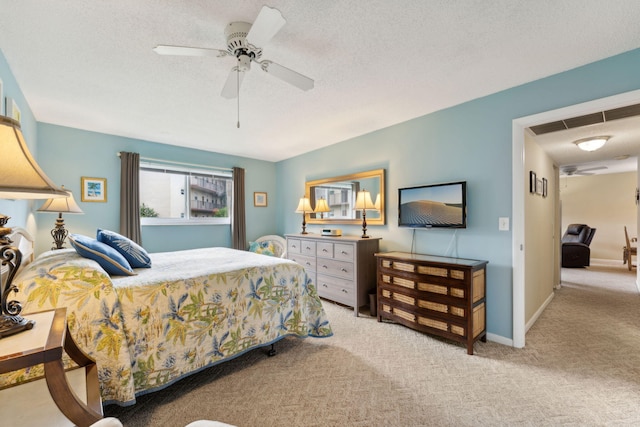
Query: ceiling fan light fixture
x=592 y=143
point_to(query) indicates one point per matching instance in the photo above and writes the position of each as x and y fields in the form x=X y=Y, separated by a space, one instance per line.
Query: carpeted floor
x=580 y=367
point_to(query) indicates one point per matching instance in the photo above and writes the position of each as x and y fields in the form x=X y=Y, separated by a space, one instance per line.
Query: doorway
x=519 y=252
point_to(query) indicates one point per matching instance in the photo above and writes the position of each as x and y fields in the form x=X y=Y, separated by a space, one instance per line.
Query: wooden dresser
x=343 y=268
x=437 y=295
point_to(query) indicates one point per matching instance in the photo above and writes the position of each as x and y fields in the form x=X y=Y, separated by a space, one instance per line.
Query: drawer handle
x=308 y=248
x=309 y=264
x=344 y=253
x=344 y=270
x=345 y=291
x=324 y=266
x=325 y=251
x=324 y=285
x=294 y=246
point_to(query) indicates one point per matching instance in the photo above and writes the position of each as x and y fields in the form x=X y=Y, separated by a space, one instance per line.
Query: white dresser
x=342 y=268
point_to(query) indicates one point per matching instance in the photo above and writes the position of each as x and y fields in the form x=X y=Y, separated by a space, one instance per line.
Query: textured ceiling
x=90 y=64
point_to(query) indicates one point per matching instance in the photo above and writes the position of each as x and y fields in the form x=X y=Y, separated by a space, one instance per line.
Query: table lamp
x=60 y=205
x=364 y=202
x=322 y=207
x=304 y=206
x=20 y=178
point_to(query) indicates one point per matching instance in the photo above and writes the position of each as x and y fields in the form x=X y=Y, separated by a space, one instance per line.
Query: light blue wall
x=472 y=142
x=68 y=154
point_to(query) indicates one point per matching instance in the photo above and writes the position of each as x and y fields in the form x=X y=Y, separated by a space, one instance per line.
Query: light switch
x=503 y=223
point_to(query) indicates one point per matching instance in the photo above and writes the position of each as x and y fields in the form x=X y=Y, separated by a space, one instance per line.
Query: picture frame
x=532 y=182
x=260 y=199
x=12 y=110
x=545 y=184
x=539 y=186
x=93 y=189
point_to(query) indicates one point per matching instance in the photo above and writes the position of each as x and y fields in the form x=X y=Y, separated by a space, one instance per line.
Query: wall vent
x=588 y=119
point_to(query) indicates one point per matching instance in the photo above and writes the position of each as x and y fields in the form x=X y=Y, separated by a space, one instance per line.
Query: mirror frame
x=376 y=173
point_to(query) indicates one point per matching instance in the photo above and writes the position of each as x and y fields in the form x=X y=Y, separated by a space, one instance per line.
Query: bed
x=191 y=310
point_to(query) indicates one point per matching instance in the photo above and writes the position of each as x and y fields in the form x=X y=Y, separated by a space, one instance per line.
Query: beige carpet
x=581 y=367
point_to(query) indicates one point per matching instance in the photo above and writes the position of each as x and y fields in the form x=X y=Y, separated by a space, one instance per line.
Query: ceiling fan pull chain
x=238 y=92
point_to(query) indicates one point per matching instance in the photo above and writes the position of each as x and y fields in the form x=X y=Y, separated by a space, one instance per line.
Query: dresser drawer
x=308 y=247
x=336 y=289
x=309 y=263
x=324 y=250
x=343 y=252
x=336 y=268
x=293 y=246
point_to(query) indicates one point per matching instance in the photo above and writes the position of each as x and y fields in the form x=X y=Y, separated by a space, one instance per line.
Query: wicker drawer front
x=438 y=324
x=293 y=246
x=336 y=289
x=479 y=317
x=423 y=303
x=478 y=285
x=308 y=247
x=336 y=268
x=309 y=263
x=324 y=250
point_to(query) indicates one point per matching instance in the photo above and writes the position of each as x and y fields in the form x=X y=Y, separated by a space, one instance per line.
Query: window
x=180 y=195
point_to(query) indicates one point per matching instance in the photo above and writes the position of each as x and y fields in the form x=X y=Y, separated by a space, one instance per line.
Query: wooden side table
x=44 y=344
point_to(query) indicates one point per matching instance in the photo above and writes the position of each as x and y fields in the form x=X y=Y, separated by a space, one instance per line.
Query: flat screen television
x=434 y=205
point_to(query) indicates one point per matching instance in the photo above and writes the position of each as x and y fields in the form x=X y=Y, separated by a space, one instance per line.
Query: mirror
x=340 y=194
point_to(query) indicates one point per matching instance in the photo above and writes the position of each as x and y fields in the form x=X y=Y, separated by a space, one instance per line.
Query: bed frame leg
x=272 y=351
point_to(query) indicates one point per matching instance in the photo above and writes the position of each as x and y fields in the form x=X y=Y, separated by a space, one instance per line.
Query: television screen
x=436 y=205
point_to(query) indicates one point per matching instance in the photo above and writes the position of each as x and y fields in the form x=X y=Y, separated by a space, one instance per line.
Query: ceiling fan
x=574 y=170
x=243 y=43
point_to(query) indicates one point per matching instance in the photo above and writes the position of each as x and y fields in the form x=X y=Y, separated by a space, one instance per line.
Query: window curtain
x=238 y=222
x=130 y=196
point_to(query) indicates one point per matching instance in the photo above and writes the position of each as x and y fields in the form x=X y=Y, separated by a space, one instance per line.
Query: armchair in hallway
x=576 y=252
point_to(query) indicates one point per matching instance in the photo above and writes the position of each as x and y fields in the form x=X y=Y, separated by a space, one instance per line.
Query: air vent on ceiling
x=587 y=119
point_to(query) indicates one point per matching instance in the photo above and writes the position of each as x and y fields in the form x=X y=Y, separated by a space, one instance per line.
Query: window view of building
x=176 y=194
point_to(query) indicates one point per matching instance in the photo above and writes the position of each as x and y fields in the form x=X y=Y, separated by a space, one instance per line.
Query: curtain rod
x=172 y=162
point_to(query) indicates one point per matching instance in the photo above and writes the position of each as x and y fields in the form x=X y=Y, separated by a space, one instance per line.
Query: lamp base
x=11 y=325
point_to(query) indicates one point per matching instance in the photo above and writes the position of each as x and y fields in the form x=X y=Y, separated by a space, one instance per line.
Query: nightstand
x=45 y=344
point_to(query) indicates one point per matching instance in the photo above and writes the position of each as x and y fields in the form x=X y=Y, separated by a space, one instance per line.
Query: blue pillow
x=130 y=250
x=106 y=256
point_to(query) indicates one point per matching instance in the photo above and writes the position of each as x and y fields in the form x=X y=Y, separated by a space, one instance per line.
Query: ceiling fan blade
x=294 y=78
x=188 y=51
x=233 y=83
x=266 y=25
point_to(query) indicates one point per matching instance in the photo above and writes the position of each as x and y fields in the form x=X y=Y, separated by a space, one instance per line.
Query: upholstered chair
x=575 y=245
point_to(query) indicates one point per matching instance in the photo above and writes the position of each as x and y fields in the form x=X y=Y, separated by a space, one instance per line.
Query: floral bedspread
x=191 y=310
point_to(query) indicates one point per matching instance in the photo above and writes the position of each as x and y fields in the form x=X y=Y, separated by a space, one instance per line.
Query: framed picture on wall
x=1 y=98
x=259 y=199
x=532 y=182
x=94 y=189
x=545 y=183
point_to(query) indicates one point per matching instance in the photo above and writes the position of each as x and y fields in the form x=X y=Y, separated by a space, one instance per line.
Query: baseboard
x=509 y=341
x=537 y=314
x=499 y=339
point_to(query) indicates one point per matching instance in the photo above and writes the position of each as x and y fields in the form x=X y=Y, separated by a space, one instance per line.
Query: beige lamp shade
x=304 y=205
x=61 y=204
x=20 y=175
x=377 y=202
x=363 y=200
x=322 y=206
